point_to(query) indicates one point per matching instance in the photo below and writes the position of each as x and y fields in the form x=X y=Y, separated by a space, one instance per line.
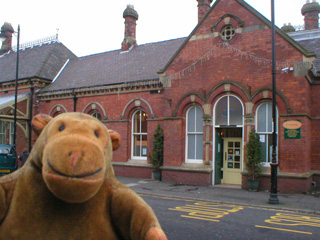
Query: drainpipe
x=30 y=115
x=75 y=99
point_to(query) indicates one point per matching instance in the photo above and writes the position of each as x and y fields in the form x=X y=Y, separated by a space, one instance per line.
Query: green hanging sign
x=292 y=129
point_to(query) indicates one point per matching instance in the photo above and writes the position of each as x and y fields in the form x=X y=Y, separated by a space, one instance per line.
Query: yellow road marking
x=281 y=229
x=294 y=220
x=212 y=220
x=207 y=211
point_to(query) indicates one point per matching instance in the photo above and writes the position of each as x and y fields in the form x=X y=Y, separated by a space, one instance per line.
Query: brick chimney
x=310 y=11
x=130 y=16
x=203 y=8
x=6 y=32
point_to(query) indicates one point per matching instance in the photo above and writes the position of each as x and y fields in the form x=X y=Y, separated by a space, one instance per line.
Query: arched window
x=228 y=112
x=95 y=113
x=264 y=128
x=139 y=135
x=194 y=138
x=56 y=113
x=6 y=132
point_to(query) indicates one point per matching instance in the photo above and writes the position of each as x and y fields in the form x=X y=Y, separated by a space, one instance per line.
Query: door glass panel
x=235 y=111
x=233 y=155
x=221 y=112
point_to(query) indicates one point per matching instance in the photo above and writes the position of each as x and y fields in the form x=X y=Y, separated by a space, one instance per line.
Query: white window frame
x=266 y=133
x=3 y=128
x=189 y=160
x=133 y=134
x=219 y=126
x=228 y=108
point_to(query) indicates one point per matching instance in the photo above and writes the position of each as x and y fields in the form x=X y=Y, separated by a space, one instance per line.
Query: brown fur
x=67 y=188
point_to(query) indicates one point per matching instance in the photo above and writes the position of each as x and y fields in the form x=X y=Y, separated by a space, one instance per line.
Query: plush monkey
x=67 y=188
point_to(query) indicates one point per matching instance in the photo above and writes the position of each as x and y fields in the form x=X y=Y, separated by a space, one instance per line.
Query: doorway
x=232 y=152
x=228 y=156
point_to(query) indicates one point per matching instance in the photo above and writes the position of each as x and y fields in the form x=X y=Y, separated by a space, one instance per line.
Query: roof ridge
x=38 y=42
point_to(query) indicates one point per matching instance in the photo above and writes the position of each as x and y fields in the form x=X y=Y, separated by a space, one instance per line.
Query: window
x=139 y=135
x=228 y=111
x=56 y=113
x=264 y=128
x=6 y=132
x=194 y=137
x=95 y=113
x=227 y=33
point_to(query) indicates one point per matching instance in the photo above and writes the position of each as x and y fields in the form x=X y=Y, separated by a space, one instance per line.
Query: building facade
x=207 y=91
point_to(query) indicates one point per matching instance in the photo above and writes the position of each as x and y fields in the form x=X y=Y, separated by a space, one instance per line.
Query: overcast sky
x=89 y=27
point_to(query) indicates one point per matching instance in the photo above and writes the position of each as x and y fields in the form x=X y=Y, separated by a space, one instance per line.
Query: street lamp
x=274 y=165
x=3 y=37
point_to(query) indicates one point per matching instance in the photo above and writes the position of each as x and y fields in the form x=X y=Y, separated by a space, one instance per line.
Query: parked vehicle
x=8 y=159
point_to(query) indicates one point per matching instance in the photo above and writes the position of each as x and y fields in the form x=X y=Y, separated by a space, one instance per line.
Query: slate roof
x=43 y=61
x=140 y=63
x=310 y=40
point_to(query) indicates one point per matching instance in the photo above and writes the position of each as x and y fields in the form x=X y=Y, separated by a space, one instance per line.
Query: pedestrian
x=24 y=156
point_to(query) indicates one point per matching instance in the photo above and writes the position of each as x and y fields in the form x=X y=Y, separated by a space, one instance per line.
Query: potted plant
x=157 y=152
x=254 y=161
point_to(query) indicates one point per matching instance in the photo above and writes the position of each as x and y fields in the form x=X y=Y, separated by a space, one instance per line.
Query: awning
x=8 y=100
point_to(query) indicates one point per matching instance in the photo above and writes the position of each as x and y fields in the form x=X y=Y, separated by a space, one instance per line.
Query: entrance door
x=232 y=161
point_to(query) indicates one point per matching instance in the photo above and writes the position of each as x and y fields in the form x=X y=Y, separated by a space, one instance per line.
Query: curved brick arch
x=57 y=108
x=230 y=87
x=265 y=94
x=137 y=103
x=233 y=20
x=185 y=102
x=8 y=113
x=92 y=105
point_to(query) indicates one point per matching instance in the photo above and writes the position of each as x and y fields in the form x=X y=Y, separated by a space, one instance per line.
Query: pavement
x=306 y=203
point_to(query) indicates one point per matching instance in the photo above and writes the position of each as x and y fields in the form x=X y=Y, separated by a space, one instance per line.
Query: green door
x=218 y=157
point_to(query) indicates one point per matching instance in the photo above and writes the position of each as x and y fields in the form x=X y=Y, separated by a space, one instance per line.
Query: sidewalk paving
x=307 y=203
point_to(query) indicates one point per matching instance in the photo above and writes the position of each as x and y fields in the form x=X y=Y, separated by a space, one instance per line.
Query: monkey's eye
x=62 y=127
x=96 y=133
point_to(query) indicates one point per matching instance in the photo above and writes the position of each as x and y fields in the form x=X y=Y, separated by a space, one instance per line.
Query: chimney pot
x=310 y=11
x=203 y=8
x=6 y=31
x=131 y=16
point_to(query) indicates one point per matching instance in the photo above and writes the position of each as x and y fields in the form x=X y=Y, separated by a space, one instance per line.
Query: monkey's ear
x=39 y=122
x=115 y=138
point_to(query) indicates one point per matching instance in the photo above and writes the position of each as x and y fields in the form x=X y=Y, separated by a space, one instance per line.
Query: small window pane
x=221 y=112
x=137 y=145
x=137 y=122
x=199 y=120
x=235 y=111
x=192 y=119
x=262 y=118
x=199 y=151
x=143 y=122
x=269 y=107
x=191 y=146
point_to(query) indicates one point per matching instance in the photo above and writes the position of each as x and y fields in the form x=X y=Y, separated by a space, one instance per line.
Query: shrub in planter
x=254 y=159
x=157 y=152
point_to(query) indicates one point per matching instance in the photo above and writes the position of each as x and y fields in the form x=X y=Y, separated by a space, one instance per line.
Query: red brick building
x=207 y=91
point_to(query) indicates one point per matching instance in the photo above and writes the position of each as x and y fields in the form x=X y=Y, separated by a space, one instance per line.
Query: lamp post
x=274 y=165
x=3 y=37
